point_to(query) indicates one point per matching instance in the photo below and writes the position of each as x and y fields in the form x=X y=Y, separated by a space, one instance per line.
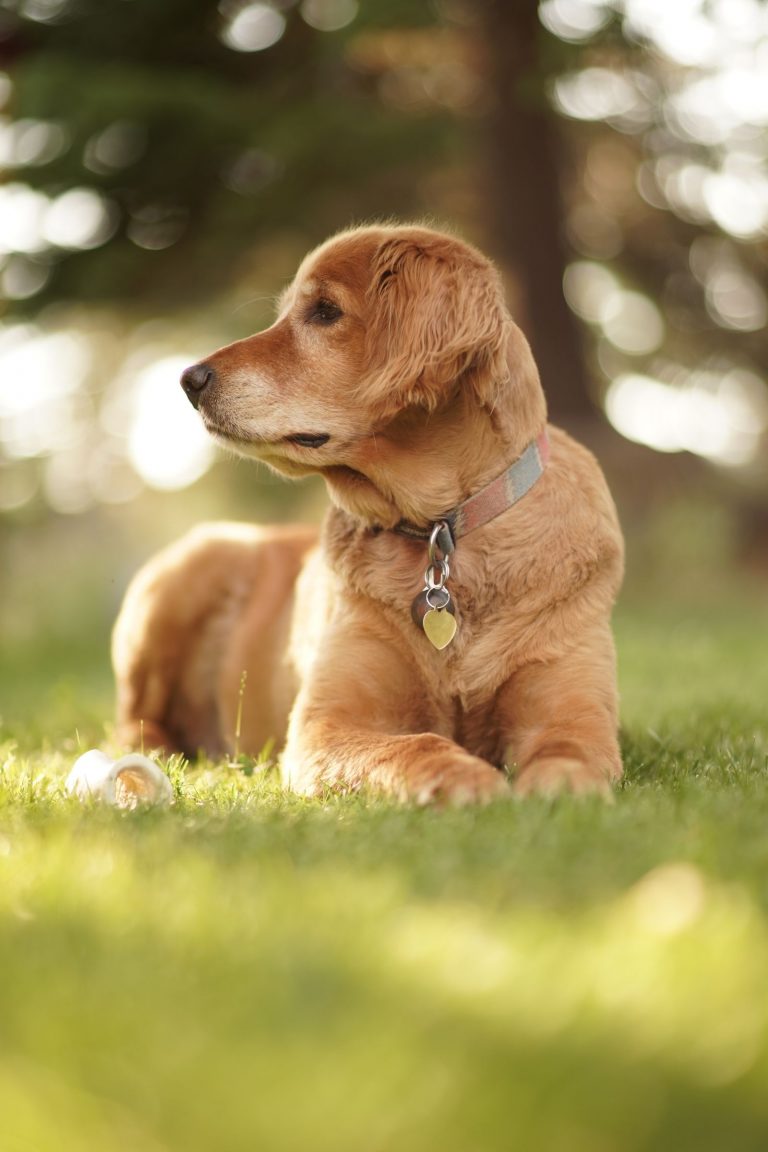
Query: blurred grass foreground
x=248 y=970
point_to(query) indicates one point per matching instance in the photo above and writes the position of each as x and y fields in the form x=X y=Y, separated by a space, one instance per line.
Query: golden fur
x=395 y=342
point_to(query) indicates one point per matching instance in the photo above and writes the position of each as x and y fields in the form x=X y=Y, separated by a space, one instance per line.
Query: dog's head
x=392 y=348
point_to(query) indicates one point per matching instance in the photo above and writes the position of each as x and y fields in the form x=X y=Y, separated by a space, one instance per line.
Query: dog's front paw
x=421 y=768
x=455 y=781
x=552 y=775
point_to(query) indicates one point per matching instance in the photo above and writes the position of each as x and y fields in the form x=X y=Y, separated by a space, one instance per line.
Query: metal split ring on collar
x=437 y=597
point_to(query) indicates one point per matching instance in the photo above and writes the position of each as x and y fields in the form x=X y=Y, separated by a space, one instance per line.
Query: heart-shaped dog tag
x=440 y=627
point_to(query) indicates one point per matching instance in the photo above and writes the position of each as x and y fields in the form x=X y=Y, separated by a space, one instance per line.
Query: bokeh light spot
x=157 y=226
x=254 y=28
x=31 y=142
x=590 y=290
x=595 y=94
x=23 y=278
x=735 y=300
x=118 y=146
x=328 y=15
x=573 y=20
x=737 y=203
x=40 y=375
x=167 y=443
x=22 y=216
x=702 y=413
x=79 y=218
x=634 y=324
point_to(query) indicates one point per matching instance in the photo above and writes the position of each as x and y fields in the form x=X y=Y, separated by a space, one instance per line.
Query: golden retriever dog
x=452 y=618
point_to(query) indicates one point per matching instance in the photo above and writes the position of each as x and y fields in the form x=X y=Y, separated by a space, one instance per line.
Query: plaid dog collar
x=487 y=504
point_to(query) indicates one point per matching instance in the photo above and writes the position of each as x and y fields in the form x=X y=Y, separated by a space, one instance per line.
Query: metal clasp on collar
x=440 y=547
x=432 y=610
x=441 y=538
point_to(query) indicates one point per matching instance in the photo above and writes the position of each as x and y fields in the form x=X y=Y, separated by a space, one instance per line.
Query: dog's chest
x=392 y=573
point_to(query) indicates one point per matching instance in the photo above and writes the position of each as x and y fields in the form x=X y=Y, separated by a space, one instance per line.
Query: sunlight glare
x=680 y=29
x=707 y=415
x=669 y=899
x=167 y=443
x=40 y=374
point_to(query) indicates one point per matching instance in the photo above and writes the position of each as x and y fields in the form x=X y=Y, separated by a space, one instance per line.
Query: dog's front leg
x=364 y=720
x=559 y=720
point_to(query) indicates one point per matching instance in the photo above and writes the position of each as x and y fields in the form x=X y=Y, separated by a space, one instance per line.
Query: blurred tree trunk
x=525 y=211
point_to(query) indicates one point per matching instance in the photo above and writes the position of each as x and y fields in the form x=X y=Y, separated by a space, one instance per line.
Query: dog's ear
x=437 y=317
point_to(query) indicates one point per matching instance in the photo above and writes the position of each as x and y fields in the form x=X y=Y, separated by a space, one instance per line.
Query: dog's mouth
x=306 y=439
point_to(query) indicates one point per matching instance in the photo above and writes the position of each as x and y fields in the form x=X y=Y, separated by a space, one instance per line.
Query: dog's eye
x=324 y=312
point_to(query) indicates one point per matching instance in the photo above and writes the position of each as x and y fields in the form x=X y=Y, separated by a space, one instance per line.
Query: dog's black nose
x=195 y=380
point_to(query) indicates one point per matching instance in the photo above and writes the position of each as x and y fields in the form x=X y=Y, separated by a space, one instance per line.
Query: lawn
x=252 y=971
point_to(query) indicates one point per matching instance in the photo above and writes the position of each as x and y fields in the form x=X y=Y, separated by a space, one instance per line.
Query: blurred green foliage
x=208 y=151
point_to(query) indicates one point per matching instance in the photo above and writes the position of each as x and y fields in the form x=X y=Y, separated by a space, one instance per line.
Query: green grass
x=252 y=971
